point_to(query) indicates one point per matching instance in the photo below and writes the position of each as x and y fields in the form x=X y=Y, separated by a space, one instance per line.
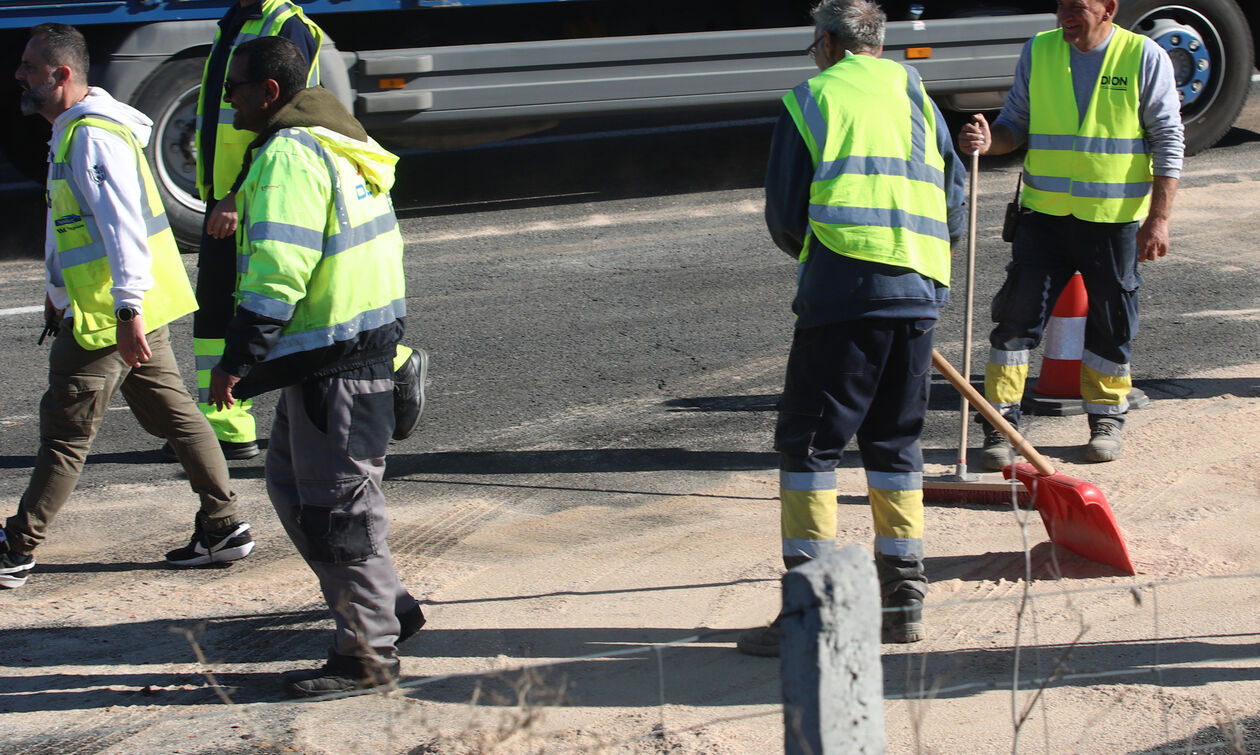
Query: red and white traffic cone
x=1057 y=392
x=1064 y=343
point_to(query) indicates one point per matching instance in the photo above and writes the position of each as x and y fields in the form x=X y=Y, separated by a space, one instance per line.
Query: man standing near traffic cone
x=1098 y=107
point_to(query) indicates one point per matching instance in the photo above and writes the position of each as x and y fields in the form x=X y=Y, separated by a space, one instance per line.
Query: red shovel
x=1075 y=512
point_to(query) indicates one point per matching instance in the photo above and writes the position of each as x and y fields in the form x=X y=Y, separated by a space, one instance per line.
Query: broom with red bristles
x=962 y=486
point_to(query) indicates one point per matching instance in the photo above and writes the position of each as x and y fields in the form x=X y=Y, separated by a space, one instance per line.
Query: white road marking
x=21 y=310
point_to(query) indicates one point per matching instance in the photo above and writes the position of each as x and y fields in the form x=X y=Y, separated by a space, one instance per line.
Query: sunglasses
x=229 y=85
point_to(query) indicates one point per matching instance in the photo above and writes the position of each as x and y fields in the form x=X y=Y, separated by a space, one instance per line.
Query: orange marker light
x=399 y=83
x=918 y=53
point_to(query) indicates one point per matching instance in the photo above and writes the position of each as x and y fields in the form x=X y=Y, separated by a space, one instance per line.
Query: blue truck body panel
x=21 y=14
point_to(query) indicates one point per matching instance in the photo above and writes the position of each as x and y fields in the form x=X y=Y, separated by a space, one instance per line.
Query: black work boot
x=409 y=382
x=903 y=617
x=762 y=641
x=342 y=673
x=1104 y=437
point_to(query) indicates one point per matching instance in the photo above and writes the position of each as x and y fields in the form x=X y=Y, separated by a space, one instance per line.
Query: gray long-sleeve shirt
x=1157 y=96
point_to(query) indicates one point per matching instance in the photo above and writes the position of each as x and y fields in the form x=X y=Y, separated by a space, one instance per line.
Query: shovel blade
x=1076 y=515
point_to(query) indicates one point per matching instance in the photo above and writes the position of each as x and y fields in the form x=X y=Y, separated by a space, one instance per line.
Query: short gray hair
x=858 y=25
x=63 y=45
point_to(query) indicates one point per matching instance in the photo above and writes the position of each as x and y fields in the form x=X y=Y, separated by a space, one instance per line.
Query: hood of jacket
x=98 y=102
x=337 y=130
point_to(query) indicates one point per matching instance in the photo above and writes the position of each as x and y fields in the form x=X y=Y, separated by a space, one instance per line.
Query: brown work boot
x=1104 y=437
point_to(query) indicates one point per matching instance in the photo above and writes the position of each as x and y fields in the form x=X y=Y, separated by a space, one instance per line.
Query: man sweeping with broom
x=865 y=190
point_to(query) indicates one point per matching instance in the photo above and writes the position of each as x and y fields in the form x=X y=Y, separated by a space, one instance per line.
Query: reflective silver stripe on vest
x=287 y=233
x=267 y=306
x=812 y=116
x=207 y=361
x=1090 y=189
x=312 y=78
x=348 y=237
x=879 y=217
x=857 y=165
x=1098 y=145
x=918 y=121
x=306 y=238
x=293 y=343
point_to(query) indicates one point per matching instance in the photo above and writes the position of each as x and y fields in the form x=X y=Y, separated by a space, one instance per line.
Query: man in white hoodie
x=115 y=280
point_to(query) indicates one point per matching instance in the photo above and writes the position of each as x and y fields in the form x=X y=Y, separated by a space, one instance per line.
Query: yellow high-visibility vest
x=1096 y=168
x=878 y=192
x=83 y=260
x=231 y=143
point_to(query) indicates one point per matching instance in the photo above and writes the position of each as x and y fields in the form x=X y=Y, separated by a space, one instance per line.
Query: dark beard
x=33 y=100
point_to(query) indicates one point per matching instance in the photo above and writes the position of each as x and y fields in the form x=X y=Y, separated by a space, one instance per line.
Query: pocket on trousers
x=69 y=406
x=997 y=310
x=371 y=425
x=920 y=358
x=336 y=537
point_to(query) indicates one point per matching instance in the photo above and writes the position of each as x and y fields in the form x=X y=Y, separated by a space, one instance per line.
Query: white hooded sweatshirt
x=103 y=168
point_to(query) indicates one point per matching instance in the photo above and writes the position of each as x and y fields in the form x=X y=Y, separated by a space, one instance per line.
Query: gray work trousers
x=325 y=463
x=81 y=383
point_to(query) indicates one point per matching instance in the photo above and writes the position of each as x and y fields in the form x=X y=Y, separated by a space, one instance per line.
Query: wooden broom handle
x=992 y=415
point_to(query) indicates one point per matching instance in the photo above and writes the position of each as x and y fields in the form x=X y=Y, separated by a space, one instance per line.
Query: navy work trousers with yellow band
x=867 y=379
x=216 y=304
x=1047 y=252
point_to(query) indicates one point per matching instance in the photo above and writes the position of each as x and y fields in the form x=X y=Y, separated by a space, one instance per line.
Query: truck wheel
x=1209 y=42
x=169 y=97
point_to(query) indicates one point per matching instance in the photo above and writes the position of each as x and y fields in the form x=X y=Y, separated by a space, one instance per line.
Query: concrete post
x=833 y=684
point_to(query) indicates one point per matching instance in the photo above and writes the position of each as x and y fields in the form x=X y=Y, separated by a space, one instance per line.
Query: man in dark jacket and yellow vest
x=1099 y=108
x=865 y=191
x=220 y=153
x=115 y=280
x=321 y=307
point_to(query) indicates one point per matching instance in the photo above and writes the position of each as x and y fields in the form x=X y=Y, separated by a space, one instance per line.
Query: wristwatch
x=126 y=314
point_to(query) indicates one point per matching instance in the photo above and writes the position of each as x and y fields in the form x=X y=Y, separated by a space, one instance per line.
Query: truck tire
x=1209 y=42
x=169 y=97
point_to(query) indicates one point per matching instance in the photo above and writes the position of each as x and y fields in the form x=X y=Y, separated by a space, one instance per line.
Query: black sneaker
x=762 y=641
x=409 y=393
x=229 y=543
x=232 y=450
x=903 y=617
x=14 y=567
x=409 y=623
x=341 y=674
